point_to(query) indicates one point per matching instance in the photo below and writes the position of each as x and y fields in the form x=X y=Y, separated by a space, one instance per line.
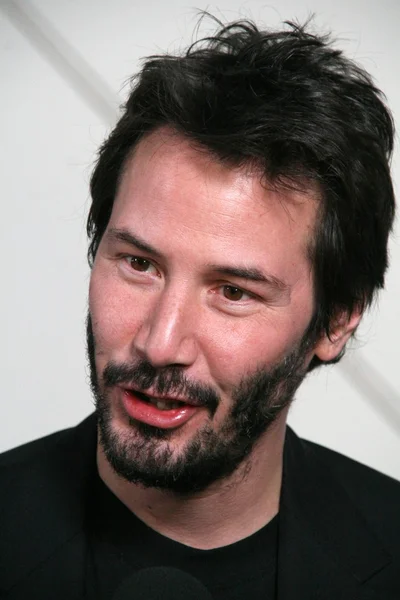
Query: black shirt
x=121 y=544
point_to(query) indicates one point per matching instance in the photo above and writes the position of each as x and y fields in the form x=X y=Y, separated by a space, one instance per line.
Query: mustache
x=164 y=381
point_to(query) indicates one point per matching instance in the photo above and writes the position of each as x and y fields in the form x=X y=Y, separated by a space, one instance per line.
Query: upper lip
x=151 y=394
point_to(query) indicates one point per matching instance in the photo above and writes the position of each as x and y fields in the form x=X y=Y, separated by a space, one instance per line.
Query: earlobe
x=328 y=348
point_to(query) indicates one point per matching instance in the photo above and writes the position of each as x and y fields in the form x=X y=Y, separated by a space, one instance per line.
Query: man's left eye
x=234 y=294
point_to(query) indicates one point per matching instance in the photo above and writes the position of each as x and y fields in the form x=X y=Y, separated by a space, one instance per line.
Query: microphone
x=161 y=583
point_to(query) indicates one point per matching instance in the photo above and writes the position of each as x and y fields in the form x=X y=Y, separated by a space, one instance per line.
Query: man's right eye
x=141 y=264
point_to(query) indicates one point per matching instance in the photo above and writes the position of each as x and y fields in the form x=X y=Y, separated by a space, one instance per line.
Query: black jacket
x=339 y=532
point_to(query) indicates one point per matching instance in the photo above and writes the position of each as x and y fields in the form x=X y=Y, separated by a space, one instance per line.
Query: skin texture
x=182 y=308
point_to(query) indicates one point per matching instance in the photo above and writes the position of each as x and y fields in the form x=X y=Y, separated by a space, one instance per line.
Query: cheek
x=240 y=349
x=115 y=314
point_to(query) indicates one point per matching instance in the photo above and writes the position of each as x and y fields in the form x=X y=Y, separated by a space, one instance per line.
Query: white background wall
x=58 y=99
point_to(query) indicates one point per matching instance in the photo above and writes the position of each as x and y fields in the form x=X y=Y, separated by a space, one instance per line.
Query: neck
x=226 y=512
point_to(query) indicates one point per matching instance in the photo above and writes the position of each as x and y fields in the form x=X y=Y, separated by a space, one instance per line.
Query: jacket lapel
x=326 y=551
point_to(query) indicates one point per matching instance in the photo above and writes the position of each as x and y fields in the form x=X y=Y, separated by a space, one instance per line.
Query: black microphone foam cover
x=161 y=583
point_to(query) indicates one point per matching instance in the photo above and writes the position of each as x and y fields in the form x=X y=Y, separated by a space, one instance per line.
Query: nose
x=167 y=336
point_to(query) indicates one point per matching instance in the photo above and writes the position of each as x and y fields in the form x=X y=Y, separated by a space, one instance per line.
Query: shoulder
x=52 y=457
x=35 y=450
x=376 y=495
x=55 y=442
x=357 y=477
x=46 y=477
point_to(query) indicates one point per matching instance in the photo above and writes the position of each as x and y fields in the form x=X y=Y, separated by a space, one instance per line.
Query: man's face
x=200 y=297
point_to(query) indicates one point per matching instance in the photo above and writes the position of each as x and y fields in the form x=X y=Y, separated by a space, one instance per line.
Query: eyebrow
x=123 y=235
x=246 y=273
x=251 y=274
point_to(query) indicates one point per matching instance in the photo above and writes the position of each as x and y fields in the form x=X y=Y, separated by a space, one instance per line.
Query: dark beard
x=145 y=457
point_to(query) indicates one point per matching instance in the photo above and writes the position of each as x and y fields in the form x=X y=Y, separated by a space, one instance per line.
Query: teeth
x=164 y=404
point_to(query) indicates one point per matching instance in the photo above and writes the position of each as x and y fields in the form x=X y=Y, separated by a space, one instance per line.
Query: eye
x=137 y=263
x=234 y=294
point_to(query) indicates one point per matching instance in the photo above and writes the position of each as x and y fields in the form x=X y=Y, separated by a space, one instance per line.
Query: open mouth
x=167 y=413
x=160 y=403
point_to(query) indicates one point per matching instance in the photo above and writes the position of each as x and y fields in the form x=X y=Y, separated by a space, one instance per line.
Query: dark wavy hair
x=306 y=116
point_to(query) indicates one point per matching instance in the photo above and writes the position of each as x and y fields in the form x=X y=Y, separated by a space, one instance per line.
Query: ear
x=328 y=348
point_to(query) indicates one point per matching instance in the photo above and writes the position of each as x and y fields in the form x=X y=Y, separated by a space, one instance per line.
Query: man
x=238 y=230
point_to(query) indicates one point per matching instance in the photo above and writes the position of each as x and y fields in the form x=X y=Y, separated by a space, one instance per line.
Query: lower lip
x=151 y=415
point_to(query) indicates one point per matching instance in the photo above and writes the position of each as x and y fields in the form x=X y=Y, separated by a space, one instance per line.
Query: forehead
x=169 y=181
